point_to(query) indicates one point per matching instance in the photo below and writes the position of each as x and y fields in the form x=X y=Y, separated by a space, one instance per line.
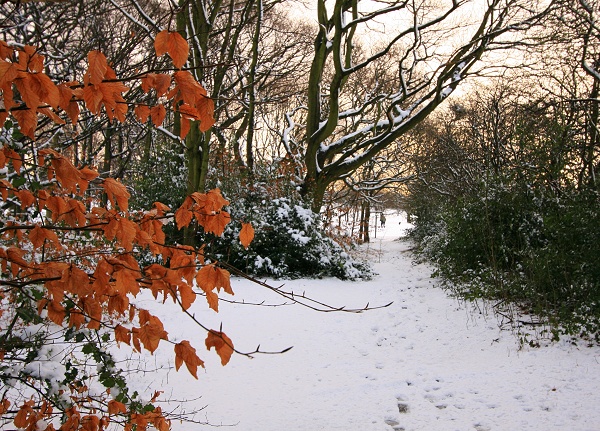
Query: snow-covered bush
x=288 y=242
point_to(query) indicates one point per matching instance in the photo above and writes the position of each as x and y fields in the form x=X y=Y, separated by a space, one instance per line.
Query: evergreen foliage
x=521 y=228
x=289 y=242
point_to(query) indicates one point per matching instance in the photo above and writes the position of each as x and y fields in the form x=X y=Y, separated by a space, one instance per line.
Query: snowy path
x=424 y=363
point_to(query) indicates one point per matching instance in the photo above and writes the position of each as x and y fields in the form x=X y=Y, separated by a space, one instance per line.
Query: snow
x=426 y=362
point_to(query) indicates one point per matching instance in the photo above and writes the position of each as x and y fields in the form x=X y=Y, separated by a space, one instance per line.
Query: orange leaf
x=187 y=296
x=151 y=331
x=158 y=114
x=15 y=255
x=126 y=233
x=8 y=72
x=183 y=217
x=184 y=352
x=67 y=174
x=246 y=234
x=5 y=404
x=50 y=114
x=38 y=235
x=216 y=223
x=117 y=193
x=26 y=197
x=29 y=89
x=142 y=112
x=92 y=96
x=14 y=157
x=159 y=81
x=185 y=127
x=162 y=82
x=98 y=67
x=222 y=344
x=116 y=407
x=173 y=44
x=189 y=89
x=57 y=206
x=27 y=119
x=56 y=312
x=67 y=103
x=206 y=109
x=127 y=281
x=48 y=91
x=22 y=418
x=122 y=334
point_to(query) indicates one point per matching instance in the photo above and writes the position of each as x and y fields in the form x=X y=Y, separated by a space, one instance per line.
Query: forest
x=170 y=147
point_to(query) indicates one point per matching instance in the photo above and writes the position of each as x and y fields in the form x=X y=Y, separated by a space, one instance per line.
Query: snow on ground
x=426 y=362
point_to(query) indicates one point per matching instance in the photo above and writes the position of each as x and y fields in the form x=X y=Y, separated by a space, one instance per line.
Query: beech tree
x=69 y=265
x=342 y=133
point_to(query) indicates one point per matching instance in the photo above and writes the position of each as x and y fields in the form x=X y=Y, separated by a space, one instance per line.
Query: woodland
x=162 y=146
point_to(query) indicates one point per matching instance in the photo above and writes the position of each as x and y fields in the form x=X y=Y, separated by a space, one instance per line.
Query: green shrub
x=288 y=242
x=523 y=245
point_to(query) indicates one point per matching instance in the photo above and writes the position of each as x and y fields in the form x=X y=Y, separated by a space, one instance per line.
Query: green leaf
x=18 y=181
x=89 y=348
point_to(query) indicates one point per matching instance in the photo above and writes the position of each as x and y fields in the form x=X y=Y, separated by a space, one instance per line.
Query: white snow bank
x=424 y=363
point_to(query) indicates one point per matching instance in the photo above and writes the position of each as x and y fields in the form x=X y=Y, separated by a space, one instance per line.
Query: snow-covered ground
x=426 y=362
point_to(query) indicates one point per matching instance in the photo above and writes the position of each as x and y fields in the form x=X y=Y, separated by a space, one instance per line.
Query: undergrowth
x=521 y=246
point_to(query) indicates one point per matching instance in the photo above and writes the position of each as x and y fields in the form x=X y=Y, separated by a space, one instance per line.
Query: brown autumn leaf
x=5 y=404
x=56 y=312
x=183 y=217
x=206 y=109
x=47 y=90
x=67 y=174
x=126 y=281
x=98 y=66
x=159 y=81
x=215 y=223
x=222 y=344
x=210 y=278
x=151 y=330
x=126 y=233
x=29 y=89
x=184 y=127
x=246 y=234
x=38 y=235
x=67 y=103
x=92 y=96
x=24 y=415
x=142 y=112
x=26 y=197
x=14 y=157
x=158 y=114
x=122 y=335
x=116 y=407
x=8 y=72
x=185 y=353
x=27 y=120
x=187 y=295
x=57 y=205
x=173 y=44
x=117 y=193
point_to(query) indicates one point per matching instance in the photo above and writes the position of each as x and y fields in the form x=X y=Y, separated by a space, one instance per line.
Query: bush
x=288 y=242
x=523 y=245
